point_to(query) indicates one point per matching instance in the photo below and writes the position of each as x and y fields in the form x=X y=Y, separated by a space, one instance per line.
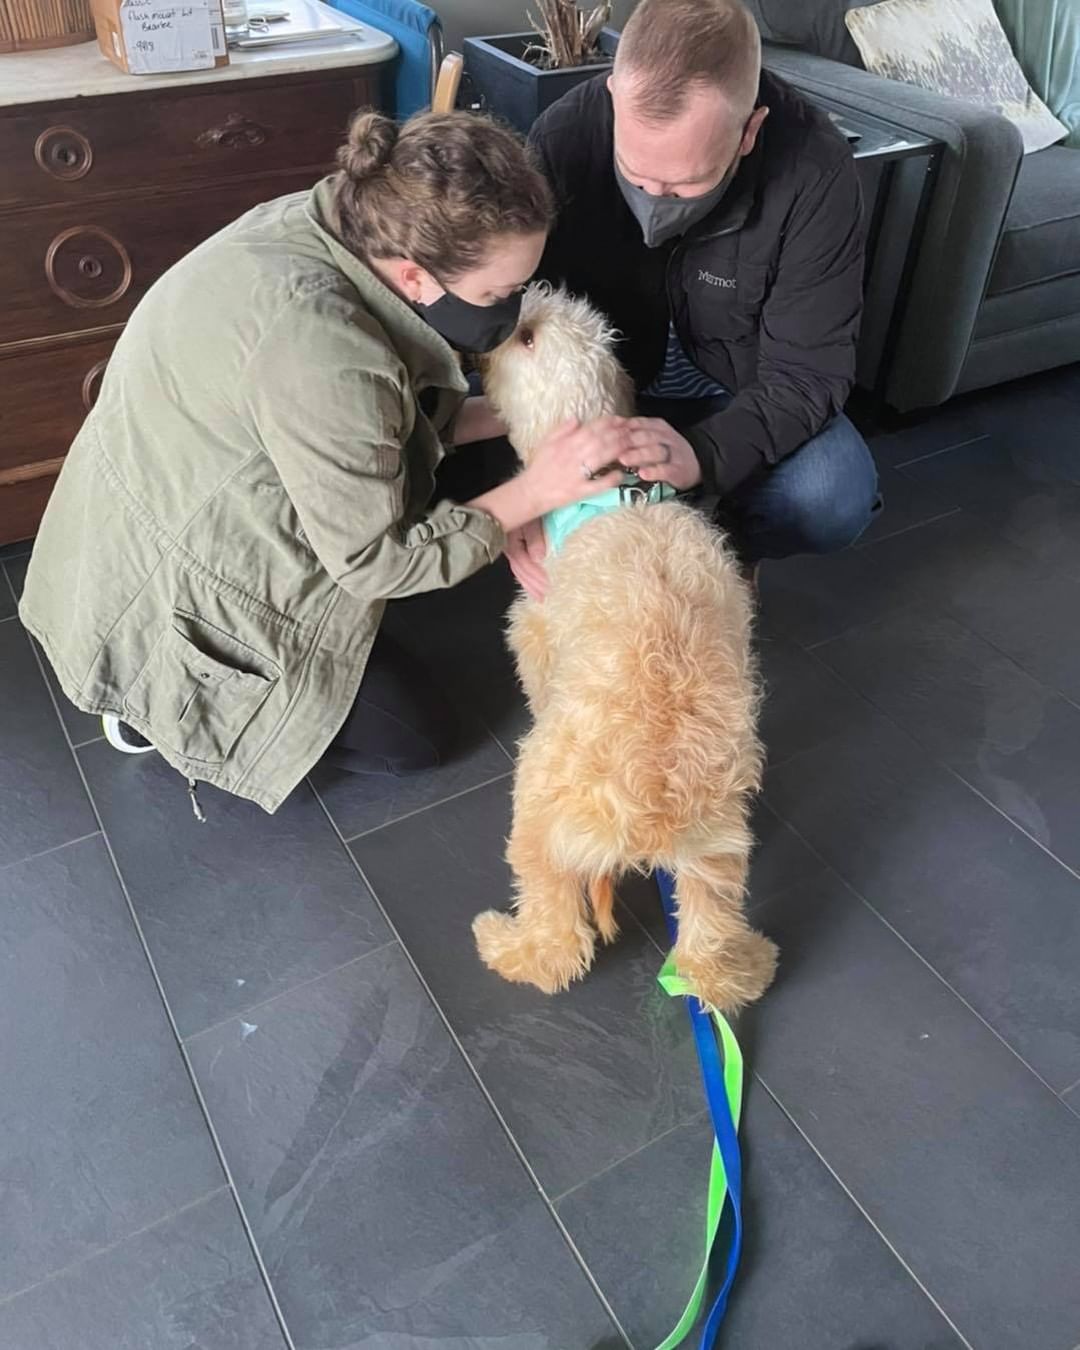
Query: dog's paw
x=737 y=976
x=550 y=963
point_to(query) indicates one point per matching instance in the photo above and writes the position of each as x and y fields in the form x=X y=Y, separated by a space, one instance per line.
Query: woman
x=256 y=479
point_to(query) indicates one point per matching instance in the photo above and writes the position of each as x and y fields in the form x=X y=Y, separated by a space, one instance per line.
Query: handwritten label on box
x=161 y=36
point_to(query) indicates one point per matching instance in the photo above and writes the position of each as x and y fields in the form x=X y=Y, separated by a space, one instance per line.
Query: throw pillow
x=955 y=47
x=1045 y=35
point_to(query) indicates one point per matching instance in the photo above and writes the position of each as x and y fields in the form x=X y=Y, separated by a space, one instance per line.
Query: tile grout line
x=11 y=588
x=474 y=1073
x=111 y=1246
x=952 y=617
x=83 y=744
x=216 y=1142
x=865 y=1214
x=860 y=547
x=944 y=765
x=242 y=1013
x=419 y=811
x=945 y=449
x=858 y=895
x=634 y=1152
x=1071 y=1088
x=56 y=848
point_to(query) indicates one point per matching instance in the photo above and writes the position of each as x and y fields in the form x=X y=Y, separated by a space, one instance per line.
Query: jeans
x=817 y=500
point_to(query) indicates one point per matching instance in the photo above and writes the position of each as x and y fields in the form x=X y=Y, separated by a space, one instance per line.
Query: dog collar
x=561 y=523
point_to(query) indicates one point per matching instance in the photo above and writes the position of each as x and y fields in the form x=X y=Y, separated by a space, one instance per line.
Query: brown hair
x=670 y=46
x=436 y=190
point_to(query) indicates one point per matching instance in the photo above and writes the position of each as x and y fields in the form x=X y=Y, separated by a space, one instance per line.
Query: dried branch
x=567 y=36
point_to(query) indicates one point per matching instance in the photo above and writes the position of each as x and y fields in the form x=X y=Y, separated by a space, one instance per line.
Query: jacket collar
x=428 y=357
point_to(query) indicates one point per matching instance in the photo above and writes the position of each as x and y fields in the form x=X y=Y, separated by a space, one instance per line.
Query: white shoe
x=124 y=738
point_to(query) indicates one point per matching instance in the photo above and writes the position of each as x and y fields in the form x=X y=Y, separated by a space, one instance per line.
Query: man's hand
x=659 y=454
x=525 y=550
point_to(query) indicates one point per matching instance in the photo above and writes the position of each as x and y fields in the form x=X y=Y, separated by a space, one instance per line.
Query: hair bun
x=372 y=138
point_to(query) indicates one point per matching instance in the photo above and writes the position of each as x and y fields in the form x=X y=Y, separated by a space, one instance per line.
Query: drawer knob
x=64 y=153
x=91 y=385
x=87 y=267
x=237 y=132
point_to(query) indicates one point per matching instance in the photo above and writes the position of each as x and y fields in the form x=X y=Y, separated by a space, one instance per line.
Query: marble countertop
x=82 y=72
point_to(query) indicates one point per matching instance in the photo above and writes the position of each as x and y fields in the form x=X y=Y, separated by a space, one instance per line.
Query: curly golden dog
x=640 y=677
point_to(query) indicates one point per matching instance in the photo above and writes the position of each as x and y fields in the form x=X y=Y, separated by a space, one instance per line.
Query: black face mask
x=472 y=328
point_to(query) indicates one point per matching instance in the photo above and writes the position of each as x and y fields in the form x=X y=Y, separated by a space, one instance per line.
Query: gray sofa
x=995 y=290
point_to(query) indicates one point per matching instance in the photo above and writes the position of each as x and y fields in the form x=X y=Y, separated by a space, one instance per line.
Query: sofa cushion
x=955 y=47
x=1045 y=35
x=812 y=25
x=1041 y=241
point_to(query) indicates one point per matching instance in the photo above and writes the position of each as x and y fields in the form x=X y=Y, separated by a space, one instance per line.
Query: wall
x=473 y=18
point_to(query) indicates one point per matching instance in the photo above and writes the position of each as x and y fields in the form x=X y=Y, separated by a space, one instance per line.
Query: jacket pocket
x=726 y=304
x=199 y=689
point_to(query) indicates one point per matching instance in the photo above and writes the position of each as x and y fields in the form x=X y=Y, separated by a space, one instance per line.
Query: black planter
x=507 y=86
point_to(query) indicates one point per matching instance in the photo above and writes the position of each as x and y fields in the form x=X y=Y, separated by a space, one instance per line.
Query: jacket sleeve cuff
x=448 y=518
x=727 y=448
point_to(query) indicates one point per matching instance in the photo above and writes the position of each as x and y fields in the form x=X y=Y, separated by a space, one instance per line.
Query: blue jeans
x=817 y=500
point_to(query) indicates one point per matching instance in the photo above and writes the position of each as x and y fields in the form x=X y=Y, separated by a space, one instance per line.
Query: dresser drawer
x=69 y=152
x=22 y=506
x=71 y=268
x=44 y=395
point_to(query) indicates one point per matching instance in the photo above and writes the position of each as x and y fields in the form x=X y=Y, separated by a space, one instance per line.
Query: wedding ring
x=667 y=452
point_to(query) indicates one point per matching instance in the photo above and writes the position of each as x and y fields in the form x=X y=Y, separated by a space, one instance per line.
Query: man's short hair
x=669 y=47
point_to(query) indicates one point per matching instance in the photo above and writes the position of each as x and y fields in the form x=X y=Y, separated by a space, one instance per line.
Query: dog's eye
x=525 y=336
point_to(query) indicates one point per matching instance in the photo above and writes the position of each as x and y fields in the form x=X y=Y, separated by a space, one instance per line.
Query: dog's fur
x=639 y=673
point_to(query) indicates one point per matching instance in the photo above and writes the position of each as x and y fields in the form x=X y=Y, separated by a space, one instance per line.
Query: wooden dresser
x=106 y=179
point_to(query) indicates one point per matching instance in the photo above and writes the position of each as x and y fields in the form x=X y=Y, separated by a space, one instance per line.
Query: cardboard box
x=158 y=37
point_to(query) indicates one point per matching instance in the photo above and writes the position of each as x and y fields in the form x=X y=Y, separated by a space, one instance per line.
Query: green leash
x=674 y=985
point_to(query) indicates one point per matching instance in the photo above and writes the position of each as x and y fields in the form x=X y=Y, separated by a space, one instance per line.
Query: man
x=715 y=217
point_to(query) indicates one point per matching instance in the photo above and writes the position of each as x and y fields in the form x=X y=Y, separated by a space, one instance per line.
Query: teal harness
x=561 y=523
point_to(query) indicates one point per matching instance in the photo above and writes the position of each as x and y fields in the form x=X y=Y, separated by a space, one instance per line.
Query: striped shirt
x=679 y=377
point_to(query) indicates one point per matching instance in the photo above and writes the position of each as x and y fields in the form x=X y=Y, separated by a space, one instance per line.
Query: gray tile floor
x=258 y=1092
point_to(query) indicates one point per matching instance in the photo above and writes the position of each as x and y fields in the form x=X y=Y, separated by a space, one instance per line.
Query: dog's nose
x=525 y=336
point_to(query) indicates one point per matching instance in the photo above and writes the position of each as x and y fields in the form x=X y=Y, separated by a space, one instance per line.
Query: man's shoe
x=124 y=738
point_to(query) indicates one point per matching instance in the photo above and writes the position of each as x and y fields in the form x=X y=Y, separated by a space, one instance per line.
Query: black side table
x=897 y=170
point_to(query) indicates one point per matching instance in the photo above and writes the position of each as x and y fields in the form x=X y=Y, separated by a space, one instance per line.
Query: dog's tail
x=602 y=899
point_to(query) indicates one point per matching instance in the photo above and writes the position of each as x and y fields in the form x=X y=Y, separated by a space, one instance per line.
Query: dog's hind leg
x=602 y=899
x=727 y=963
x=548 y=940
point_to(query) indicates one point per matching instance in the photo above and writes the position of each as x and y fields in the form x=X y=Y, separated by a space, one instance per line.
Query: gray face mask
x=664 y=218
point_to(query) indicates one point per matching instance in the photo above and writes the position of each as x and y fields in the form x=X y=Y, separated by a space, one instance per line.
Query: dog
x=640 y=676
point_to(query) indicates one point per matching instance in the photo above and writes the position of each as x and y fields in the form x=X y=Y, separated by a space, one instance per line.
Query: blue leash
x=724 y=1126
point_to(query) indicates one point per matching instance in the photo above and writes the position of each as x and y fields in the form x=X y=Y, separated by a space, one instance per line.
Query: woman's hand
x=477 y=422
x=659 y=454
x=575 y=462
x=525 y=550
x=572 y=463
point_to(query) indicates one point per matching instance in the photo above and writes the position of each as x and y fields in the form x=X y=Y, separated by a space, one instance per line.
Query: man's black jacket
x=765 y=292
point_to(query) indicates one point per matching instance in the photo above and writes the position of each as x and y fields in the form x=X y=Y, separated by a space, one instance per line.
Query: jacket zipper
x=679 y=249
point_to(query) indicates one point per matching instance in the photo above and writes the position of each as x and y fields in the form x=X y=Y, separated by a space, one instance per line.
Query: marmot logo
x=728 y=283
